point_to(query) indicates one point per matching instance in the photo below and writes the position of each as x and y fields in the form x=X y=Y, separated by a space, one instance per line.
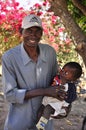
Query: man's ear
x=20 y=30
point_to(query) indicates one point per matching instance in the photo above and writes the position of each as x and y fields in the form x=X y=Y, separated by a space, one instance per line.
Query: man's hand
x=61 y=94
x=56 y=92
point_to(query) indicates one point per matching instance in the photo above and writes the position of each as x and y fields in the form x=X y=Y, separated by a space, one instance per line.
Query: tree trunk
x=59 y=7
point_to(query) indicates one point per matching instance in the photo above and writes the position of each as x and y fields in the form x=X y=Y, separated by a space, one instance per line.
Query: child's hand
x=54 y=83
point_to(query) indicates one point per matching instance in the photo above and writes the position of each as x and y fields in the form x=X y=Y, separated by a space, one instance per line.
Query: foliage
x=77 y=14
x=11 y=17
x=54 y=32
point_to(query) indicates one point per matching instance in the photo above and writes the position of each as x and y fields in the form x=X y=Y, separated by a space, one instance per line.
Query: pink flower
x=39 y=13
x=52 y=39
x=5 y=39
x=44 y=3
x=55 y=46
x=61 y=29
x=37 y=5
x=68 y=41
x=16 y=3
x=54 y=19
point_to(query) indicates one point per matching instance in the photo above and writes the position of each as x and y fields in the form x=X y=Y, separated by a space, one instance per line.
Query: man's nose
x=33 y=34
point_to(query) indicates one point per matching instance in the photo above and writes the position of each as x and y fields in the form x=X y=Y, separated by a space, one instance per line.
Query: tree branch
x=80 y=6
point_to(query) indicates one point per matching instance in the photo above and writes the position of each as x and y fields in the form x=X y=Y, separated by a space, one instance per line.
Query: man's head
x=31 y=30
x=71 y=71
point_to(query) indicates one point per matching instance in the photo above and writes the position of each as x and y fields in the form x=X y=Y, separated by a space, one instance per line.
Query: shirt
x=70 y=88
x=56 y=104
x=21 y=73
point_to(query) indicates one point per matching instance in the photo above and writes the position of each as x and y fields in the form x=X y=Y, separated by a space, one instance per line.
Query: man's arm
x=56 y=92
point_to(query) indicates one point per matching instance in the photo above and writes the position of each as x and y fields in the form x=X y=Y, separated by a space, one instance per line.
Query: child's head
x=71 y=71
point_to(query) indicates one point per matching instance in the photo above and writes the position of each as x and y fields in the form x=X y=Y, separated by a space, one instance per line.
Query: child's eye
x=66 y=73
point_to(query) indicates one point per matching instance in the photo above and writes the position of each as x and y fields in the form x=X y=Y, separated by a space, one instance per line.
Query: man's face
x=32 y=36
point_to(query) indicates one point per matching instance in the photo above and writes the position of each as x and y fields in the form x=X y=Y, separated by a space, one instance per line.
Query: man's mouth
x=32 y=41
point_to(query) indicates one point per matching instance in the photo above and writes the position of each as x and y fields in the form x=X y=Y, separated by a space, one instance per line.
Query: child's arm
x=71 y=94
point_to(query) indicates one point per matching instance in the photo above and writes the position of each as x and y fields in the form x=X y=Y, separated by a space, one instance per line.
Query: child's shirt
x=71 y=90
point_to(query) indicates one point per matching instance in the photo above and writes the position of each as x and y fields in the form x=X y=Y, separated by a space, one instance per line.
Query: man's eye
x=39 y=31
x=29 y=31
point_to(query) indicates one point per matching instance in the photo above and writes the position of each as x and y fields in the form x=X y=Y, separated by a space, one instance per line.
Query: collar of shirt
x=27 y=59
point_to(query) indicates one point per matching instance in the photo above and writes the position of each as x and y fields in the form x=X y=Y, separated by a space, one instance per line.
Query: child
x=52 y=106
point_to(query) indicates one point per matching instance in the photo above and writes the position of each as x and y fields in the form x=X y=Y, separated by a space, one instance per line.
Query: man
x=28 y=70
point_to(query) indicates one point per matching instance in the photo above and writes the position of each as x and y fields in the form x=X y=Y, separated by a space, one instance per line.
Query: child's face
x=67 y=74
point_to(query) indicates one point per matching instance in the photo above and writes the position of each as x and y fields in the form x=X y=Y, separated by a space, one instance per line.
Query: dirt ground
x=72 y=122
